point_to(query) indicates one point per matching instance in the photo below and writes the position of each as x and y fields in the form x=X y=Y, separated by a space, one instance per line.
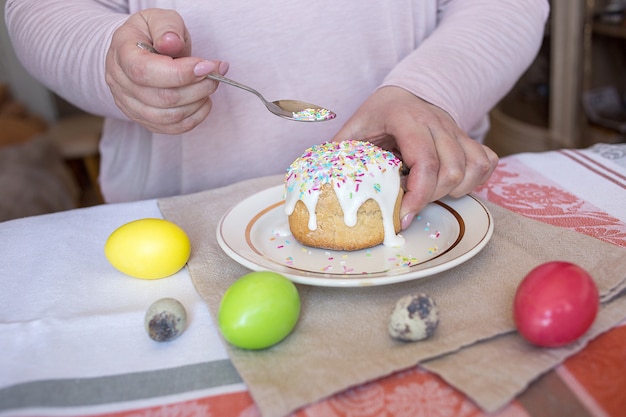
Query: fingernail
x=170 y=36
x=223 y=69
x=203 y=68
x=405 y=222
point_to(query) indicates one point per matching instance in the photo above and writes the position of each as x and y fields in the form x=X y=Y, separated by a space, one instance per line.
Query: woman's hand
x=165 y=92
x=443 y=160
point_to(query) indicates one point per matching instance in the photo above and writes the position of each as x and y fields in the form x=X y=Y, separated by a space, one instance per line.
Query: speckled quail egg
x=415 y=317
x=165 y=319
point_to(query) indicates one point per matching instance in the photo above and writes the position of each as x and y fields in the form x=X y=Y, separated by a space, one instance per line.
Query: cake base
x=332 y=232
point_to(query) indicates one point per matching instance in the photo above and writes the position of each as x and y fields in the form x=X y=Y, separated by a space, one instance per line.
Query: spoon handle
x=222 y=79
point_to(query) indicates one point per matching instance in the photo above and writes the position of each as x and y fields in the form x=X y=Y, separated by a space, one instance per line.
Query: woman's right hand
x=166 y=92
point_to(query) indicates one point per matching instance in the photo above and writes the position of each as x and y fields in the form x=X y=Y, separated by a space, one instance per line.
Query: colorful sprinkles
x=405 y=261
x=336 y=163
x=435 y=235
x=314 y=115
x=339 y=261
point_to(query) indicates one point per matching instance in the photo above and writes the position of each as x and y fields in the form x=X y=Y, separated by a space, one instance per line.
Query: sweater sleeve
x=63 y=43
x=474 y=56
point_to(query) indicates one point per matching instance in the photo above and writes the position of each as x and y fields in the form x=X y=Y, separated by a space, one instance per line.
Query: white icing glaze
x=357 y=172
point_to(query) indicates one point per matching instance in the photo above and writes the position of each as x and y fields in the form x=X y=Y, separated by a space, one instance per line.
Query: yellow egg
x=148 y=248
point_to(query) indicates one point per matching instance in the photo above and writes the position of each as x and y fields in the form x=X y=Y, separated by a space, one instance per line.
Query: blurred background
x=574 y=93
x=572 y=96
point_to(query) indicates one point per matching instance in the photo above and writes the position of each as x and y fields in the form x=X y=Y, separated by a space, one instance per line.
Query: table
x=73 y=342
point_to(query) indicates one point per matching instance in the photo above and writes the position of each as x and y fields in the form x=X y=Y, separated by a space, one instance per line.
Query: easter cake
x=344 y=196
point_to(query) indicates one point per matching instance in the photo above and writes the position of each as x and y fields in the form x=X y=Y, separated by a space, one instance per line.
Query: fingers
x=480 y=162
x=442 y=159
x=161 y=93
x=457 y=166
x=145 y=68
x=166 y=119
x=164 y=94
x=423 y=184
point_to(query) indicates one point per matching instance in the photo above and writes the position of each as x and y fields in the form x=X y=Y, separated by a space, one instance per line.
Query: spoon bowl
x=297 y=110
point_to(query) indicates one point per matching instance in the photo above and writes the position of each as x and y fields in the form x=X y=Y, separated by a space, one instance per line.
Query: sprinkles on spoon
x=314 y=115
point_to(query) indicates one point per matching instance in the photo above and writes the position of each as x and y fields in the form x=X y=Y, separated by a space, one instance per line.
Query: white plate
x=256 y=234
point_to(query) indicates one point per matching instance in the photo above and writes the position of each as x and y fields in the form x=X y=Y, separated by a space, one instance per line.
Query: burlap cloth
x=341 y=339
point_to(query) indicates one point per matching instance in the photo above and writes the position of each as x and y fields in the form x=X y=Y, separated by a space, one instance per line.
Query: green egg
x=259 y=310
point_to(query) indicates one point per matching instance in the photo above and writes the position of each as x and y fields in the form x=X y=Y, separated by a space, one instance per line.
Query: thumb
x=168 y=32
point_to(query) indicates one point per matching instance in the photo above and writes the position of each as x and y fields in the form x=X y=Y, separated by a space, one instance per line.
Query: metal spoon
x=300 y=111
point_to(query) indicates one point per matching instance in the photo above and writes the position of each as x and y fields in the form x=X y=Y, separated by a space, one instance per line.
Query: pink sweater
x=462 y=55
